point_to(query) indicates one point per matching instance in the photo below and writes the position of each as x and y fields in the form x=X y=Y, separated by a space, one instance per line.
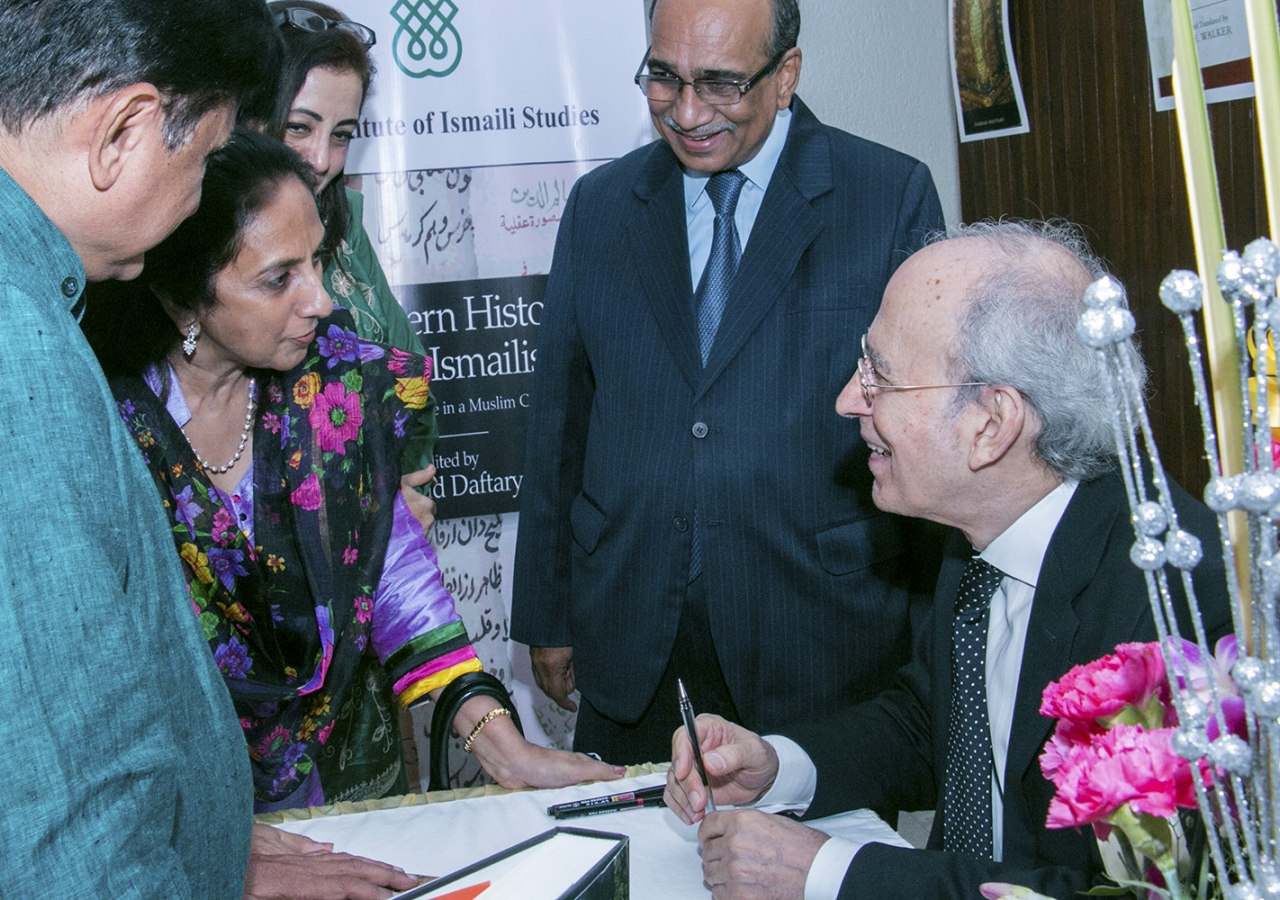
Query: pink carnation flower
x=1133 y=676
x=1069 y=739
x=1127 y=764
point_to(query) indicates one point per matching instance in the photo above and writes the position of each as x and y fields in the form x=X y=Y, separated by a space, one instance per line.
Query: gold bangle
x=488 y=717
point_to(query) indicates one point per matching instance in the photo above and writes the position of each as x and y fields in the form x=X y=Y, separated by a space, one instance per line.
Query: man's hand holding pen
x=740 y=766
x=745 y=853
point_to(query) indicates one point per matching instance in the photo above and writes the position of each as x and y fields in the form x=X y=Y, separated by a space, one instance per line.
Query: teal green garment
x=125 y=772
x=355 y=280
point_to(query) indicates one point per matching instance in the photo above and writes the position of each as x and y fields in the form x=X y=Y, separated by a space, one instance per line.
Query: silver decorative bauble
x=1222 y=494
x=1262 y=264
x=1194 y=713
x=1230 y=753
x=1231 y=278
x=1183 y=550
x=1099 y=328
x=1265 y=698
x=1147 y=554
x=1182 y=292
x=1150 y=519
x=1190 y=743
x=1259 y=491
x=1104 y=293
x=1248 y=672
x=1267 y=879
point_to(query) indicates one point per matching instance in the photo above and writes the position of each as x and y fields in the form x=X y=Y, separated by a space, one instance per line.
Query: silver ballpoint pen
x=686 y=712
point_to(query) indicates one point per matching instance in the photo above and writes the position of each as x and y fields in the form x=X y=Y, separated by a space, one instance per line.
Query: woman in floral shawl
x=275 y=437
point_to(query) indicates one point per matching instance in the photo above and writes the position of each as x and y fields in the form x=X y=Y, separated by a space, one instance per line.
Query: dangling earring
x=189 y=342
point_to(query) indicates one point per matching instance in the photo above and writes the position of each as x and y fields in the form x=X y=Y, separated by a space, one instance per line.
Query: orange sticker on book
x=466 y=893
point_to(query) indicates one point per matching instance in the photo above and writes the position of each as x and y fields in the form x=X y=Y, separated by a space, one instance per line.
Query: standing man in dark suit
x=691 y=507
x=985 y=413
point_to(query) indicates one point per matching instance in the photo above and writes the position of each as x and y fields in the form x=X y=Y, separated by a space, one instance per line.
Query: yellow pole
x=1264 y=44
x=1209 y=236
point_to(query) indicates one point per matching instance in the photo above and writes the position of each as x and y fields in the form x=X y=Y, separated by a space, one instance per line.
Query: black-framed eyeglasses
x=665 y=87
x=310 y=20
x=871 y=384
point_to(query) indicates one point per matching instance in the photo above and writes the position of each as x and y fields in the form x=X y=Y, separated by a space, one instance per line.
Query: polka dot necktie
x=967 y=791
x=713 y=290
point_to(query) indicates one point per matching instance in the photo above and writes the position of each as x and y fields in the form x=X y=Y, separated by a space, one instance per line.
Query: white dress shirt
x=1018 y=552
x=700 y=212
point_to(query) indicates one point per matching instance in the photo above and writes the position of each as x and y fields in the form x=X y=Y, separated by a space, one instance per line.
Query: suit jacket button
x=70 y=287
x=700 y=429
x=681 y=523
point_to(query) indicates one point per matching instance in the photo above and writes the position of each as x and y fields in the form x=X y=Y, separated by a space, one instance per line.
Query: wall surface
x=882 y=70
x=1100 y=155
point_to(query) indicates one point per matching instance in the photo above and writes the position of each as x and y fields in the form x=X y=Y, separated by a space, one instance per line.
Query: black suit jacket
x=628 y=434
x=891 y=753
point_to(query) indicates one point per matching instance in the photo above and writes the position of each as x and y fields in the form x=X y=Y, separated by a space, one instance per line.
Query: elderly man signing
x=983 y=413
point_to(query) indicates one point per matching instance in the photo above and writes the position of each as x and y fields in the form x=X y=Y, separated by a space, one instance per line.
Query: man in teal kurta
x=125 y=770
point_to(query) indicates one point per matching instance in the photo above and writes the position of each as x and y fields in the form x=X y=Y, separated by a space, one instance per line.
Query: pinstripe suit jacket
x=628 y=433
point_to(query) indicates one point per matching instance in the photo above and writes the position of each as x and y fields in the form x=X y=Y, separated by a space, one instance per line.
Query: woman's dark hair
x=335 y=49
x=124 y=321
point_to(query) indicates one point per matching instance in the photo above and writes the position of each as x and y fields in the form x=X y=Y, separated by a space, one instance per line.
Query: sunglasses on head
x=310 y=20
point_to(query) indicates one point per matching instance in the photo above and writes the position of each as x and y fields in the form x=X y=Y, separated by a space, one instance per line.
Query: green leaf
x=353 y=380
x=1141 y=888
x=209 y=625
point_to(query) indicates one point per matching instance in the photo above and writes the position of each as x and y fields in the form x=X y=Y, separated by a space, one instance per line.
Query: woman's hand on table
x=514 y=762
x=287 y=866
x=741 y=767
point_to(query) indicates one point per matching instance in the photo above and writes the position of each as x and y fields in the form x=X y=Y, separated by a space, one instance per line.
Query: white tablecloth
x=439 y=838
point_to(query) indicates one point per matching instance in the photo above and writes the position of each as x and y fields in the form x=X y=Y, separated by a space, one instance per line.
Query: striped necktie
x=713 y=290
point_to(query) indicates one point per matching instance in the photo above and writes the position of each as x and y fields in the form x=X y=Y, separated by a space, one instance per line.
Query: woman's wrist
x=470 y=713
x=479 y=727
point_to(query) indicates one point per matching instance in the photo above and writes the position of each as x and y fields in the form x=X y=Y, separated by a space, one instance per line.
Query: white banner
x=482 y=116
x=522 y=83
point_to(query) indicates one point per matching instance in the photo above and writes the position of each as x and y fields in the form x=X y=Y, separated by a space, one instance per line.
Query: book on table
x=560 y=864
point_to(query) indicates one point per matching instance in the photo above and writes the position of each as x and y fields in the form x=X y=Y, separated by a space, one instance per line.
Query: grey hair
x=786 y=26
x=1019 y=330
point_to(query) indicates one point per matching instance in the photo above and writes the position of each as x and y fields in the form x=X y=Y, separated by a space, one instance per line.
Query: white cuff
x=829 y=868
x=797 y=778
